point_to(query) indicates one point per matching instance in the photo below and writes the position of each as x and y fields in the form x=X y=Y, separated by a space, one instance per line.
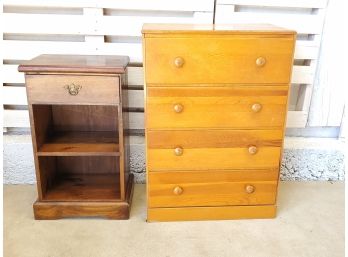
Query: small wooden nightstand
x=77 y=126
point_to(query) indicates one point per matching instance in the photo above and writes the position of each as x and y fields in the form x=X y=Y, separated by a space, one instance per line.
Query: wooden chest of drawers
x=216 y=103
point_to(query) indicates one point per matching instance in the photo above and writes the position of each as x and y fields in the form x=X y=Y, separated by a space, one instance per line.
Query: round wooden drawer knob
x=252 y=149
x=178 y=108
x=179 y=62
x=178 y=190
x=249 y=189
x=260 y=62
x=256 y=107
x=178 y=151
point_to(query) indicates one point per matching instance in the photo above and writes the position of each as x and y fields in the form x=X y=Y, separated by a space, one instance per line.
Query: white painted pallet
x=304 y=16
x=33 y=27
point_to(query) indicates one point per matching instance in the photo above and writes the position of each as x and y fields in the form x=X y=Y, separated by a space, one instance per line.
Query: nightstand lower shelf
x=50 y=210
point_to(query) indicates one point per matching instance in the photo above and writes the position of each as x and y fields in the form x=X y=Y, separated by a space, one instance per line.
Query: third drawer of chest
x=216 y=107
x=213 y=149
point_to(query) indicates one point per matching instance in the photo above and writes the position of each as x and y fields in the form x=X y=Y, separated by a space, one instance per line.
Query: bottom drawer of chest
x=211 y=189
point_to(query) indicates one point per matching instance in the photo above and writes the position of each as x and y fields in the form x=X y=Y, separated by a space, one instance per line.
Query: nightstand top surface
x=153 y=28
x=76 y=64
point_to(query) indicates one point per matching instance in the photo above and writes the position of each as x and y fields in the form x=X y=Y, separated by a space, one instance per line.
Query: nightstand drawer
x=196 y=191
x=180 y=158
x=216 y=107
x=73 y=89
x=227 y=59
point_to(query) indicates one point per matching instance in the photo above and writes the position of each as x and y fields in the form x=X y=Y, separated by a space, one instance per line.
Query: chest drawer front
x=72 y=89
x=197 y=192
x=228 y=59
x=212 y=138
x=180 y=158
x=220 y=107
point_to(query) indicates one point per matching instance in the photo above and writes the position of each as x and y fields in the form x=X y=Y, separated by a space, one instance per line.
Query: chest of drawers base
x=211 y=213
x=215 y=111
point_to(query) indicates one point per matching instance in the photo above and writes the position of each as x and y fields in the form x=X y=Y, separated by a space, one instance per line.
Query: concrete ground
x=310 y=223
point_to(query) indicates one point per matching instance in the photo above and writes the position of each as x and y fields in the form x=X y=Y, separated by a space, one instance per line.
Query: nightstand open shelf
x=80 y=143
x=77 y=124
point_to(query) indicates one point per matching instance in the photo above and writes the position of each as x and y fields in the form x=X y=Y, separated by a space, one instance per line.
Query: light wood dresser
x=77 y=125
x=216 y=104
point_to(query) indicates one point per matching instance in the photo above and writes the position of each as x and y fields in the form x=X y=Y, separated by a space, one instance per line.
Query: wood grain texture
x=52 y=89
x=212 y=194
x=220 y=107
x=232 y=59
x=215 y=176
x=77 y=130
x=76 y=63
x=80 y=143
x=110 y=210
x=216 y=101
x=211 y=213
x=212 y=158
x=215 y=29
x=214 y=138
x=85 y=118
x=84 y=187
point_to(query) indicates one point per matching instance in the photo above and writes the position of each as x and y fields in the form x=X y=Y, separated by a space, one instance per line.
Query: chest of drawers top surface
x=189 y=29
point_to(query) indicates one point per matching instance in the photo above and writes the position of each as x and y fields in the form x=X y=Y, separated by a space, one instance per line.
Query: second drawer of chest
x=212 y=158
x=167 y=189
x=216 y=107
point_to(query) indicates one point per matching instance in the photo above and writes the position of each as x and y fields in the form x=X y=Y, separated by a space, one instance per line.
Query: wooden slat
x=278 y=3
x=26 y=50
x=14 y=96
x=17 y=96
x=84 y=25
x=300 y=75
x=106 y=24
x=158 y=5
x=305 y=51
x=303 y=24
x=54 y=24
x=296 y=119
x=11 y=75
x=20 y=119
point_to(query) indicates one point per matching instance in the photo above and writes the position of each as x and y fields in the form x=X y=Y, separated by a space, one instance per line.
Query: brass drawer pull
x=252 y=149
x=256 y=107
x=249 y=189
x=179 y=62
x=178 y=108
x=178 y=190
x=260 y=62
x=73 y=89
x=178 y=151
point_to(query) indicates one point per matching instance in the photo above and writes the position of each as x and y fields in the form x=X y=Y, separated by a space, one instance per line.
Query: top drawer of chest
x=218 y=59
